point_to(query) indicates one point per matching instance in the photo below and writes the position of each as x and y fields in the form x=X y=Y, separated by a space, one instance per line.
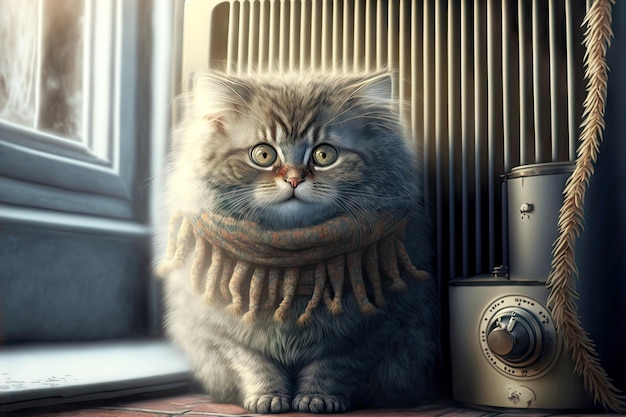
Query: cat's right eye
x=263 y=155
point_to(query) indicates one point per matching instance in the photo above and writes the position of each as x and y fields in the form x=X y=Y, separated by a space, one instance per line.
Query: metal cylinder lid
x=546 y=168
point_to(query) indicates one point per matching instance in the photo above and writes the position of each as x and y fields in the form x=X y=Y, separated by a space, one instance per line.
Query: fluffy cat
x=290 y=151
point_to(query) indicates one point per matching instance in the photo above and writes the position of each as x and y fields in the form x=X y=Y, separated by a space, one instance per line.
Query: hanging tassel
x=256 y=289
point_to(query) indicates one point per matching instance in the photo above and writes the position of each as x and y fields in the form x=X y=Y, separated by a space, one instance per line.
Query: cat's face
x=292 y=151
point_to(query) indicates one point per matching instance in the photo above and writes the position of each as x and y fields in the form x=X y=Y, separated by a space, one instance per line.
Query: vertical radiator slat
x=572 y=115
x=253 y=36
x=393 y=62
x=494 y=102
x=359 y=36
x=242 y=47
x=404 y=60
x=233 y=31
x=466 y=126
x=538 y=94
x=283 y=39
x=507 y=119
x=417 y=79
x=524 y=88
x=381 y=35
x=454 y=134
x=479 y=126
x=316 y=30
x=264 y=9
x=506 y=87
x=348 y=34
x=337 y=34
x=273 y=41
x=428 y=95
x=369 y=38
x=440 y=121
x=554 y=124
x=294 y=44
x=305 y=34
x=326 y=36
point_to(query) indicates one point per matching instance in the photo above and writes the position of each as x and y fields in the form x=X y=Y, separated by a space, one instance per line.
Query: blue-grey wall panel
x=59 y=285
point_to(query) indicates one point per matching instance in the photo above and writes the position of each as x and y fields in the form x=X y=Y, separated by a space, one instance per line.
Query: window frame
x=98 y=175
x=58 y=185
x=77 y=190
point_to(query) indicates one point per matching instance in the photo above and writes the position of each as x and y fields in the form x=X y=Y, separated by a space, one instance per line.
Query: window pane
x=41 y=65
x=18 y=60
x=62 y=68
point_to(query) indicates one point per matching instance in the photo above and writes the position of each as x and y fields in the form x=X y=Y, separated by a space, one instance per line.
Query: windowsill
x=43 y=375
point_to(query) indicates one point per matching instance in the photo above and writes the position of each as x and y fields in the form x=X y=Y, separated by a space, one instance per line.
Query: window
x=84 y=101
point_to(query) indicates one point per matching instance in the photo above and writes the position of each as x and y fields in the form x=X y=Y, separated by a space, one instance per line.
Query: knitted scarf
x=231 y=256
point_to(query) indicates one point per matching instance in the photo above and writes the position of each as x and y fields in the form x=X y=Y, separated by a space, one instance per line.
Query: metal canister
x=534 y=198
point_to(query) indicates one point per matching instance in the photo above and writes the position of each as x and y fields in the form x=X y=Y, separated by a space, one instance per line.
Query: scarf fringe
x=217 y=274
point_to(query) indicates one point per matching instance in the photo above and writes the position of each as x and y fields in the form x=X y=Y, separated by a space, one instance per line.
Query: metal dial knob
x=518 y=338
x=500 y=341
x=509 y=339
x=515 y=337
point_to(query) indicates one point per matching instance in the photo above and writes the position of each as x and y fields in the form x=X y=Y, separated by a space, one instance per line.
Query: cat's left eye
x=325 y=155
x=263 y=155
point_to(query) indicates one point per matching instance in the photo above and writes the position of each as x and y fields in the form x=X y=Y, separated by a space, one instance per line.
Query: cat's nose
x=294 y=181
x=294 y=176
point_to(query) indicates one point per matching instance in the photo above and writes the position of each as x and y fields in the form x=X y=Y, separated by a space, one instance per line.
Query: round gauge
x=517 y=336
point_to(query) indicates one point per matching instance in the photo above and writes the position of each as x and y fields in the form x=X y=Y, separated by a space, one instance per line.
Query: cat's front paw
x=320 y=403
x=268 y=403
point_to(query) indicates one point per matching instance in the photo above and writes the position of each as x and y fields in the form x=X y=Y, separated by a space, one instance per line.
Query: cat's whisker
x=352 y=209
x=340 y=112
x=390 y=202
x=341 y=107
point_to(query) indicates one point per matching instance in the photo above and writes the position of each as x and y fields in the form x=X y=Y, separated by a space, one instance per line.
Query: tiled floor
x=201 y=405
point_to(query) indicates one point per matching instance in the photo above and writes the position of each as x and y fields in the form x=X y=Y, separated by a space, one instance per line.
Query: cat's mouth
x=294 y=204
x=293 y=199
x=295 y=194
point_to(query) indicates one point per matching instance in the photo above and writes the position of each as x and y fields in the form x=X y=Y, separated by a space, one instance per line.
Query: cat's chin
x=294 y=213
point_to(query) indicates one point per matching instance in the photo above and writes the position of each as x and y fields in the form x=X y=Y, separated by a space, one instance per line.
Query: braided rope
x=563 y=274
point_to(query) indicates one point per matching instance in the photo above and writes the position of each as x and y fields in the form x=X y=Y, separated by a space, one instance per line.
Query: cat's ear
x=376 y=87
x=215 y=95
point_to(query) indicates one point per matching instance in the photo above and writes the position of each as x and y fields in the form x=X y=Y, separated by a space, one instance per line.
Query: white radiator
x=487 y=85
